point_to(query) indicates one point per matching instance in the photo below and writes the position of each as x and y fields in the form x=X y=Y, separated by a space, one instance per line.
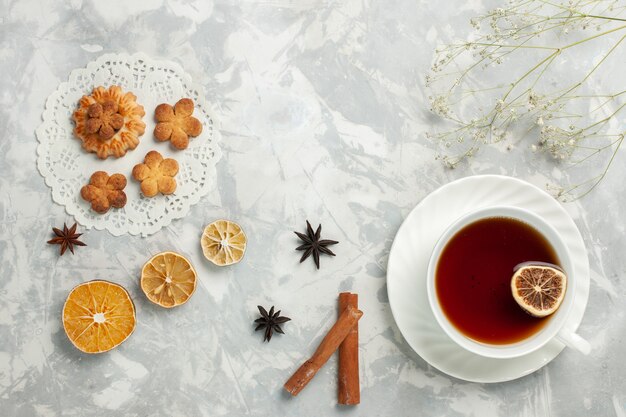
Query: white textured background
x=323 y=118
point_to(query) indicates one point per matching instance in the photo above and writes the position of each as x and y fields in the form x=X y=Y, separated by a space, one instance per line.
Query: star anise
x=313 y=244
x=271 y=322
x=67 y=238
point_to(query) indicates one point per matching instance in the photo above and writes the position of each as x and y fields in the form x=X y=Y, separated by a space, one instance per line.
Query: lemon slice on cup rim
x=539 y=288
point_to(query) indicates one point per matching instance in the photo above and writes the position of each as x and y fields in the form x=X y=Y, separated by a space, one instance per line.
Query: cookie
x=176 y=124
x=104 y=191
x=109 y=122
x=156 y=174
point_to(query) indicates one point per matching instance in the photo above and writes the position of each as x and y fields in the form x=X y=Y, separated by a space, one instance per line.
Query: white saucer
x=408 y=263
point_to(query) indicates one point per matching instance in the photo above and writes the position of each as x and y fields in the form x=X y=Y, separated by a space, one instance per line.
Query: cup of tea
x=469 y=283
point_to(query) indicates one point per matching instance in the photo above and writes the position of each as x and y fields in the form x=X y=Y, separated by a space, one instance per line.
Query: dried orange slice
x=539 y=289
x=98 y=316
x=168 y=279
x=223 y=242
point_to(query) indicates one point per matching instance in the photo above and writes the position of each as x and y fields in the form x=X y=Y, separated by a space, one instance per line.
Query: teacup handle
x=574 y=341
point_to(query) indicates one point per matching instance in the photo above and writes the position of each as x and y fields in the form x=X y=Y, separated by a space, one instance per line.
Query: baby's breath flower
x=533 y=99
x=559 y=143
x=497 y=134
x=449 y=162
x=555 y=190
x=439 y=105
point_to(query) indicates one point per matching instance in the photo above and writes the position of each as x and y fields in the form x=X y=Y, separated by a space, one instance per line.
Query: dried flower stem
x=571 y=122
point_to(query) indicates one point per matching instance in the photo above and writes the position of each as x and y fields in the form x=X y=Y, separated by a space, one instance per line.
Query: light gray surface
x=323 y=118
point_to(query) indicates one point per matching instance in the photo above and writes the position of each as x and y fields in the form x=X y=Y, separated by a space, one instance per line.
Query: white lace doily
x=66 y=166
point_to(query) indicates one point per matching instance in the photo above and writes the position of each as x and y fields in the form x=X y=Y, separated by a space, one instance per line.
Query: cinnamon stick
x=346 y=321
x=349 y=390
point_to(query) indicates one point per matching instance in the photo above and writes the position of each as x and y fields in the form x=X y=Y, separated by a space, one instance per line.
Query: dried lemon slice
x=539 y=289
x=168 y=279
x=98 y=316
x=223 y=242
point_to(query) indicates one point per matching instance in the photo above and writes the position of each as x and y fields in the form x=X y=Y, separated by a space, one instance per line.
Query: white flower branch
x=571 y=122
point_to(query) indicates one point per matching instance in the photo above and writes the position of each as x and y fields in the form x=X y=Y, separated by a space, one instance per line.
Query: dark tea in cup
x=473 y=276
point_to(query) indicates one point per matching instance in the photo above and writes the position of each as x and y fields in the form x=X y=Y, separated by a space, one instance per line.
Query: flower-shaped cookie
x=109 y=121
x=176 y=123
x=156 y=174
x=104 y=119
x=104 y=191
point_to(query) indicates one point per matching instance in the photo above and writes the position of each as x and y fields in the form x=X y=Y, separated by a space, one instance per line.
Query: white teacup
x=553 y=329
